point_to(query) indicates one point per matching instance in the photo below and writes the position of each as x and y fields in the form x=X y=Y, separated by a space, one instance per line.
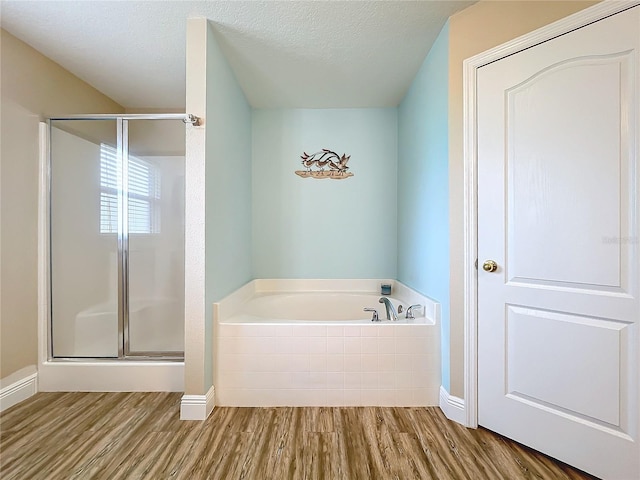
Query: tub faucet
x=391 y=312
x=411 y=309
x=374 y=317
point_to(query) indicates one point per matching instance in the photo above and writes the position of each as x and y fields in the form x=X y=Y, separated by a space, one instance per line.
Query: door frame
x=470 y=158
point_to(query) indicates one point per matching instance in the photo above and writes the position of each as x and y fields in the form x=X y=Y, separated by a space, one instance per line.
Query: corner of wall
x=423 y=185
x=197 y=407
x=452 y=407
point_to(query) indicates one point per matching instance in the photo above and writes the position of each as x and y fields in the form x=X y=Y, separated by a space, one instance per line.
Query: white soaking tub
x=328 y=307
x=309 y=343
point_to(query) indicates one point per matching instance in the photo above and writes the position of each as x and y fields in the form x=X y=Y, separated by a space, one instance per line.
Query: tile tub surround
x=265 y=362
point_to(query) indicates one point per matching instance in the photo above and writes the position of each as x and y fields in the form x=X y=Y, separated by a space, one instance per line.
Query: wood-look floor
x=139 y=435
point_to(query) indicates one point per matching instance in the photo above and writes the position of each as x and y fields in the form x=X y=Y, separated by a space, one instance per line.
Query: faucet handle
x=374 y=317
x=410 y=309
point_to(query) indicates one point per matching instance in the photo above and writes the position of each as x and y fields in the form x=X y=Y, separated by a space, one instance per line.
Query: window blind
x=144 y=193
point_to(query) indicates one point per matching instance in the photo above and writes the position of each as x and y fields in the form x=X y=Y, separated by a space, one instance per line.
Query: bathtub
x=331 y=308
x=309 y=343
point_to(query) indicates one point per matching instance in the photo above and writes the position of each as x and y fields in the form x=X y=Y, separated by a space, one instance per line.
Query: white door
x=558 y=210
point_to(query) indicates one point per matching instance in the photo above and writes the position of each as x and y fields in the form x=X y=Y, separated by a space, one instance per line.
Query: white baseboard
x=452 y=407
x=18 y=391
x=197 y=407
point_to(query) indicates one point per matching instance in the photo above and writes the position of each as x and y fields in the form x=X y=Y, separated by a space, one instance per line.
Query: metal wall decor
x=325 y=164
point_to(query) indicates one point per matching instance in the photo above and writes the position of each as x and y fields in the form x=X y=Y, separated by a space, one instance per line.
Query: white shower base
x=111 y=376
x=155 y=325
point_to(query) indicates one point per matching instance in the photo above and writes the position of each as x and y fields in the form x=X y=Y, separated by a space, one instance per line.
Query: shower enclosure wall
x=116 y=233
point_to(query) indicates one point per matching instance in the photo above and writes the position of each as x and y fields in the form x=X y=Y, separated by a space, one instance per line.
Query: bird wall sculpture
x=316 y=163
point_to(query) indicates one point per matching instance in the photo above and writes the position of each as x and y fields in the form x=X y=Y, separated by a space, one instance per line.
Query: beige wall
x=478 y=28
x=196 y=356
x=32 y=87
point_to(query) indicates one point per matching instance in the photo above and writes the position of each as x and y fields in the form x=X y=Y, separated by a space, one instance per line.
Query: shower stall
x=116 y=190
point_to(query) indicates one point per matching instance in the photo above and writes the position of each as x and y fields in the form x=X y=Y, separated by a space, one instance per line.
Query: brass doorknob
x=489 y=266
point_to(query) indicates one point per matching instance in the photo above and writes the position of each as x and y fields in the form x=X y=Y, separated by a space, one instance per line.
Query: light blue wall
x=310 y=228
x=390 y=220
x=227 y=183
x=228 y=178
x=423 y=185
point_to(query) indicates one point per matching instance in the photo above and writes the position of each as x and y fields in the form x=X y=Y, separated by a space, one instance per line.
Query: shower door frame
x=122 y=152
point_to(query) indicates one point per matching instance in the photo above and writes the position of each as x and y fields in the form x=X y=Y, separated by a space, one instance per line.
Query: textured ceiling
x=313 y=54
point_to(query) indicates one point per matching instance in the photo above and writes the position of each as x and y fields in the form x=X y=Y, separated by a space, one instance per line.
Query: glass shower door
x=155 y=172
x=117 y=237
x=84 y=184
